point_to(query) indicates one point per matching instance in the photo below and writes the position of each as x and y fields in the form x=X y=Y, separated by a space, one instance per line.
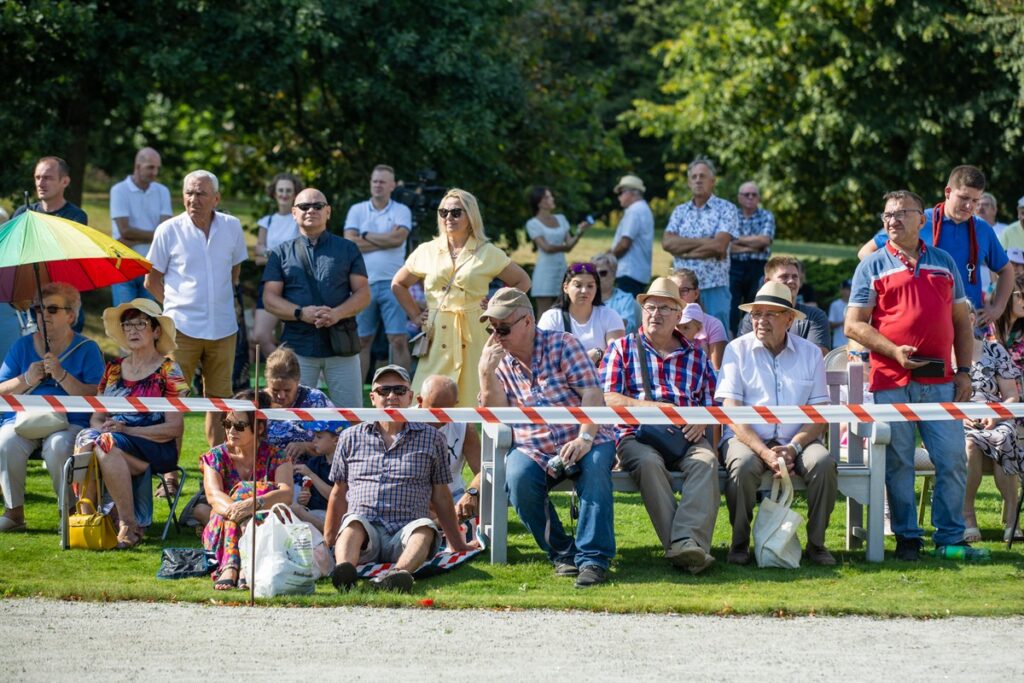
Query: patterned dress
x=1001 y=443
x=221 y=535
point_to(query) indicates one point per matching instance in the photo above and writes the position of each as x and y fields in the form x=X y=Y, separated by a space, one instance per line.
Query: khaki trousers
x=694 y=516
x=814 y=465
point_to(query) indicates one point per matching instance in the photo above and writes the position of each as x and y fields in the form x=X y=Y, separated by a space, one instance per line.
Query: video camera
x=422 y=198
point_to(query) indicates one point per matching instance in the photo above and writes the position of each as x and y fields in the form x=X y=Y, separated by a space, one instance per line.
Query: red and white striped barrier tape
x=666 y=414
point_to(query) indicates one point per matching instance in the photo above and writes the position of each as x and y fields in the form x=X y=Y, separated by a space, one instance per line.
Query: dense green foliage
x=827 y=103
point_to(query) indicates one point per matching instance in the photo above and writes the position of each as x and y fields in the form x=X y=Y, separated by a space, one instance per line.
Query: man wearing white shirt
x=138 y=204
x=633 y=242
x=379 y=227
x=769 y=367
x=196 y=259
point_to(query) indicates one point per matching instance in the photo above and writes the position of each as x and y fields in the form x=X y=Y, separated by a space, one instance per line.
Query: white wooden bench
x=861 y=476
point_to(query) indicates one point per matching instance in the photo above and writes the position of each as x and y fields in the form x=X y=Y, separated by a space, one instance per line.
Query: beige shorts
x=382 y=546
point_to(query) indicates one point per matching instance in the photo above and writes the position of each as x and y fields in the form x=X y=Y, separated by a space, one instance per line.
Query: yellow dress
x=458 y=337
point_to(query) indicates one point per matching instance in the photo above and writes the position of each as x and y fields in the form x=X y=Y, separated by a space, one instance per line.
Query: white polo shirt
x=142 y=208
x=362 y=217
x=753 y=376
x=198 y=293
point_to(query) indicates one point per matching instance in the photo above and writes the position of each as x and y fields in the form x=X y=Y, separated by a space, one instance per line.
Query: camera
x=422 y=197
x=557 y=469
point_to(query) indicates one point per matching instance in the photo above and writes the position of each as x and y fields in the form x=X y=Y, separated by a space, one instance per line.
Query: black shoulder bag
x=343 y=334
x=668 y=440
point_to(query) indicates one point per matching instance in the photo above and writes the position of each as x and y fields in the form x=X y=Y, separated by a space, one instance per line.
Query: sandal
x=223 y=584
x=972 y=534
x=129 y=536
x=170 y=486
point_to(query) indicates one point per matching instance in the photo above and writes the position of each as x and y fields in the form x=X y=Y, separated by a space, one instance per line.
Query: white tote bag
x=775 y=540
x=284 y=555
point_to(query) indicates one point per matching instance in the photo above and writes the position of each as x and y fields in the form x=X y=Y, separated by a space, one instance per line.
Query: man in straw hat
x=772 y=366
x=634 y=238
x=679 y=374
x=523 y=366
x=908 y=307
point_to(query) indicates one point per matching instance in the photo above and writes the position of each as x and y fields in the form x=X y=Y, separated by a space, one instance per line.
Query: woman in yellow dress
x=456 y=268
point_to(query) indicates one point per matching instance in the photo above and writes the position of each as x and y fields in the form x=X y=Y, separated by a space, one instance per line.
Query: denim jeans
x=528 y=487
x=944 y=440
x=341 y=375
x=123 y=292
x=718 y=302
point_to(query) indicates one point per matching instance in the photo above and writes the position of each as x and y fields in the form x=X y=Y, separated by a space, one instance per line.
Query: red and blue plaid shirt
x=684 y=377
x=559 y=371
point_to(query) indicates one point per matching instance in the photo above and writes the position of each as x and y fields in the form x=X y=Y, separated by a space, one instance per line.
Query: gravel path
x=47 y=640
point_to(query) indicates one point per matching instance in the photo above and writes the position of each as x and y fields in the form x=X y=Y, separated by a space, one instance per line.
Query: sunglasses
x=454 y=213
x=315 y=206
x=134 y=325
x=581 y=267
x=237 y=426
x=386 y=390
x=503 y=330
x=604 y=273
x=51 y=309
x=748 y=194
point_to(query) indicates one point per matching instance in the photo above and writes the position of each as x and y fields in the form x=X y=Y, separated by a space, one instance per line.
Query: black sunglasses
x=51 y=309
x=306 y=206
x=503 y=330
x=454 y=213
x=228 y=425
x=386 y=390
x=603 y=273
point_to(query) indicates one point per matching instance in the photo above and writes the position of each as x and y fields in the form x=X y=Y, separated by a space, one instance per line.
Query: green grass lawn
x=31 y=564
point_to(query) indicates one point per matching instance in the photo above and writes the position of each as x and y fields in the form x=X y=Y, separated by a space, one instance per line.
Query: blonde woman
x=456 y=268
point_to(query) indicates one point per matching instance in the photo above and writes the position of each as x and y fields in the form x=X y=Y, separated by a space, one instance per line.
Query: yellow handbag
x=92 y=531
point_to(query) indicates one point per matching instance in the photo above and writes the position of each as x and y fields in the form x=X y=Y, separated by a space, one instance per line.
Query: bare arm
x=514 y=276
x=275 y=303
x=441 y=500
x=337 y=506
x=260 y=251
x=623 y=245
x=997 y=304
x=130 y=235
x=753 y=242
x=614 y=399
x=154 y=284
x=358 y=299
x=859 y=329
x=698 y=247
x=170 y=429
x=963 y=349
x=492 y=393
x=868 y=249
x=471 y=449
x=400 y=285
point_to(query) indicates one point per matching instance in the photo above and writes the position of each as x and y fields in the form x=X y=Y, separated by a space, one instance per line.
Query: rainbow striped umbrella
x=36 y=248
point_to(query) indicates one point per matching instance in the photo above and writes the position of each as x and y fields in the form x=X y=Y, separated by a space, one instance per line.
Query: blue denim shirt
x=333 y=259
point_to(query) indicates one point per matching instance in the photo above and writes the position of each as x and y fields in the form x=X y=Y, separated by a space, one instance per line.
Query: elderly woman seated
x=228 y=476
x=54 y=361
x=127 y=444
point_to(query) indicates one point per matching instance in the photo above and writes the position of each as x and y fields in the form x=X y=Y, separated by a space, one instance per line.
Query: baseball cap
x=504 y=302
x=1015 y=255
x=693 y=312
x=1020 y=202
x=397 y=369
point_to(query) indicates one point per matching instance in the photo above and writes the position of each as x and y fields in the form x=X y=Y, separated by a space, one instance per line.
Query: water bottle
x=962 y=552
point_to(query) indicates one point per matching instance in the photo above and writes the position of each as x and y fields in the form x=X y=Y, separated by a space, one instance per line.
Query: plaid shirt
x=761 y=223
x=717 y=215
x=559 y=371
x=684 y=377
x=391 y=487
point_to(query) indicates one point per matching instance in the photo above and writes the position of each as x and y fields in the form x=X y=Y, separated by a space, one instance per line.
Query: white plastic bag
x=323 y=558
x=775 y=540
x=284 y=555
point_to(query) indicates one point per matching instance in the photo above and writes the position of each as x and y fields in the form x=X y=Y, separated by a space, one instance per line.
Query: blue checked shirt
x=717 y=215
x=761 y=223
x=391 y=487
x=559 y=371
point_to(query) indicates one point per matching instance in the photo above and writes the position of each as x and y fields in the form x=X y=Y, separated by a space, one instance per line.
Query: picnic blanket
x=444 y=561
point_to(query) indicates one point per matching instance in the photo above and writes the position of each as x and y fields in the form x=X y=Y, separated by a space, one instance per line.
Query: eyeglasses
x=386 y=390
x=604 y=273
x=503 y=330
x=51 y=309
x=582 y=267
x=897 y=215
x=315 y=206
x=134 y=325
x=228 y=425
x=651 y=309
x=455 y=213
x=683 y=291
x=765 y=315
x=749 y=194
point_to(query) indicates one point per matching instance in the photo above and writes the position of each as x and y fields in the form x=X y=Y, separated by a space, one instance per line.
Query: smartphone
x=933 y=367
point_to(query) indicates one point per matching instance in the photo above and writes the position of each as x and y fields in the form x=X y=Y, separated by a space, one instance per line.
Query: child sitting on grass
x=311 y=505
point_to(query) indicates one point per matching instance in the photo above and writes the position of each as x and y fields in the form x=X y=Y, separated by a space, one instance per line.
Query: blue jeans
x=123 y=292
x=945 y=443
x=528 y=486
x=718 y=302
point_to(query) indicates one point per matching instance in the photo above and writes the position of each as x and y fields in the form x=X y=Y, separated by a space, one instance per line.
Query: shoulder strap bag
x=343 y=335
x=39 y=424
x=668 y=440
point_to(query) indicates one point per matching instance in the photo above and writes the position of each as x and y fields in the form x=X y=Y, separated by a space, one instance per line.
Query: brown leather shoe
x=819 y=556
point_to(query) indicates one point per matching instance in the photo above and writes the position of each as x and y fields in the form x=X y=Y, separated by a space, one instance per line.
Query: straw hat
x=774 y=294
x=112 y=323
x=630 y=182
x=662 y=286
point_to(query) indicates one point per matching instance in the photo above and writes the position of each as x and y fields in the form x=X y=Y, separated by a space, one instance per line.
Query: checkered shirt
x=717 y=215
x=683 y=378
x=559 y=371
x=761 y=223
x=391 y=487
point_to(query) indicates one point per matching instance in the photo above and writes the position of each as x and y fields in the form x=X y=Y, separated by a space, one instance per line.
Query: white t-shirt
x=142 y=208
x=591 y=333
x=455 y=434
x=280 y=228
x=362 y=217
x=638 y=225
x=198 y=293
x=837 y=314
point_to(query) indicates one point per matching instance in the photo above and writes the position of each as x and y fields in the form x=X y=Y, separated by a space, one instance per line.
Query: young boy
x=316 y=486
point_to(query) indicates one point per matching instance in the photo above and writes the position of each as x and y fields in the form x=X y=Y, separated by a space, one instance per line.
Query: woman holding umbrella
x=54 y=361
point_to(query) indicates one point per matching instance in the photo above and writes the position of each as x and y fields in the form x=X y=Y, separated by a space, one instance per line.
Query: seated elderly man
x=654 y=366
x=773 y=366
x=441 y=391
x=523 y=366
x=813 y=323
x=386 y=475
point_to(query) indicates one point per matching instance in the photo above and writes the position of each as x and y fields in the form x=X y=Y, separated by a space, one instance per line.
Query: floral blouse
x=166 y=382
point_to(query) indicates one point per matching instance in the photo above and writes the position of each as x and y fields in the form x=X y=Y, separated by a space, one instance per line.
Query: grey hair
x=606 y=257
x=201 y=175
x=701 y=159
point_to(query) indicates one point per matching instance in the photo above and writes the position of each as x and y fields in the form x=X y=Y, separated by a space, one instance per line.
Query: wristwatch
x=586 y=436
x=962 y=368
x=298 y=313
x=364 y=233
x=797 y=448
x=473 y=491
